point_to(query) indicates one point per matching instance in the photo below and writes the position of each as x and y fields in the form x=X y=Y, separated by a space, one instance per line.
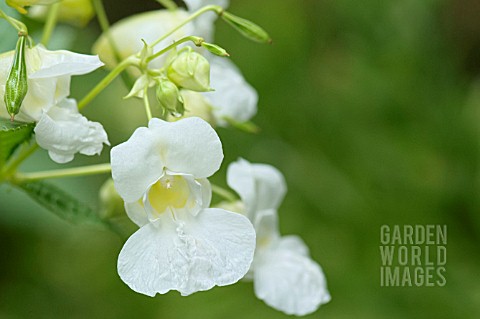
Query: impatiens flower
x=63 y=123
x=233 y=98
x=284 y=275
x=60 y=129
x=49 y=74
x=183 y=245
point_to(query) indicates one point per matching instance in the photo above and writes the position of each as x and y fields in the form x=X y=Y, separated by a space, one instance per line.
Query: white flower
x=60 y=129
x=63 y=132
x=160 y=172
x=49 y=74
x=233 y=98
x=284 y=275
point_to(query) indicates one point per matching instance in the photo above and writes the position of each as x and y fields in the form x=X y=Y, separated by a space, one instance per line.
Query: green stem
x=148 y=110
x=67 y=172
x=13 y=165
x=51 y=23
x=222 y=192
x=217 y=9
x=132 y=60
x=19 y=26
x=105 y=26
x=196 y=40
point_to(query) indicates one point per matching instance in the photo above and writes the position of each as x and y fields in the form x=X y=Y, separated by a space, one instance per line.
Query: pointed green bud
x=215 y=49
x=16 y=86
x=247 y=28
x=169 y=98
x=190 y=70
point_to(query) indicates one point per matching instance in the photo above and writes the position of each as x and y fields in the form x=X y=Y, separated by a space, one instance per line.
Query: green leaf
x=12 y=134
x=60 y=203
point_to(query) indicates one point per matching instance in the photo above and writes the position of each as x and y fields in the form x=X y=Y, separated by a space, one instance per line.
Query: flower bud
x=169 y=98
x=196 y=105
x=247 y=28
x=190 y=70
x=74 y=12
x=111 y=204
x=16 y=86
x=20 y=5
x=215 y=49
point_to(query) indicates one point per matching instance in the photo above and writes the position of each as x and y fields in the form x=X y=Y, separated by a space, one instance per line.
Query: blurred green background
x=370 y=108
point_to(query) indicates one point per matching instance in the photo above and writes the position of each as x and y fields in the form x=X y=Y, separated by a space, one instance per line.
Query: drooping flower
x=284 y=275
x=161 y=174
x=61 y=129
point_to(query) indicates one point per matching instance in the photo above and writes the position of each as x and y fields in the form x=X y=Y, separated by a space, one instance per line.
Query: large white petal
x=63 y=132
x=233 y=97
x=188 y=254
x=62 y=62
x=188 y=146
x=260 y=186
x=289 y=282
x=136 y=164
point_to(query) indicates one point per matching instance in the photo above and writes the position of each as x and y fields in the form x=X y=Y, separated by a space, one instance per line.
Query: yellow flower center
x=169 y=191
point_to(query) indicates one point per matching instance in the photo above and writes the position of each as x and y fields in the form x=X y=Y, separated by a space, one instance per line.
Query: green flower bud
x=16 y=86
x=111 y=204
x=195 y=105
x=215 y=49
x=190 y=70
x=247 y=28
x=169 y=98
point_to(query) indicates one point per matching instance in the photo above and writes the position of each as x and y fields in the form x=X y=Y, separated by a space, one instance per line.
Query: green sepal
x=16 y=86
x=247 y=28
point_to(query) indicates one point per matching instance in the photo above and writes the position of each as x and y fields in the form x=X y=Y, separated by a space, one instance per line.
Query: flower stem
x=67 y=172
x=10 y=168
x=222 y=192
x=132 y=60
x=51 y=23
x=196 y=40
x=217 y=9
x=148 y=110
x=19 y=26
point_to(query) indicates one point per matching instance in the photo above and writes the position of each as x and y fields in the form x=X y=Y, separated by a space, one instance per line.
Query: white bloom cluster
x=161 y=172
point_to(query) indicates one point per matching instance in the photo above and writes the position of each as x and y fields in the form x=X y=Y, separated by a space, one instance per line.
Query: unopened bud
x=111 y=204
x=196 y=105
x=190 y=70
x=169 y=98
x=16 y=86
x=215 y=49
x=247 y=28
x=20 y=5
